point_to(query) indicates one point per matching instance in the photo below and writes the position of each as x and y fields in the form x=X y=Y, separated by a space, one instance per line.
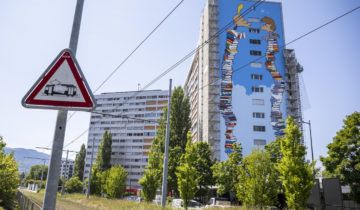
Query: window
x=257 y=76
x=253 y=19
x=258 y=115
x=259 y=128
x=259 y=142
x=255 y=52
x=255 y=65
x=255 y=41
x=258 y=101
x=257 y=89
x=254 y=30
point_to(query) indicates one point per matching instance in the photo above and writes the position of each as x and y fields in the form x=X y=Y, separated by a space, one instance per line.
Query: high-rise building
x=242 y=83
x=131 y=117
x=67 y=169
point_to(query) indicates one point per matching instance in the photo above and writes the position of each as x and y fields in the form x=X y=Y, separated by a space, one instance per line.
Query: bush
x=74 y=185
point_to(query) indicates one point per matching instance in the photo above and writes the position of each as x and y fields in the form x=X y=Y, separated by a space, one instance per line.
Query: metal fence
x=26 y=203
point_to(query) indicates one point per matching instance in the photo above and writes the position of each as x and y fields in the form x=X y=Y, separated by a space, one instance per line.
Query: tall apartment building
x=67 y=169
x=242 y=84
x=131 y=117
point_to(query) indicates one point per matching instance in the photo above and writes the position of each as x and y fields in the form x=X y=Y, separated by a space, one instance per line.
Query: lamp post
x=311 y=144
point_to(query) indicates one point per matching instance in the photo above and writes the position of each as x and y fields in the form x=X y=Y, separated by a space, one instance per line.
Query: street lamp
x=311 y=144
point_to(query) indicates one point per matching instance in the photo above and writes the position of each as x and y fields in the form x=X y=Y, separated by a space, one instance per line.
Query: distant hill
x=25 y=163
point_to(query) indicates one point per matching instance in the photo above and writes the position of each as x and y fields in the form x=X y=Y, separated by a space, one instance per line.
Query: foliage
x=179 y=127
x=152 y=174
x=344 y=155
x=257 y=185
x=116 y=182
x=35 y=172
x=198 y=155
x=226 y=173
x=9 y=177
x=187 y=182
x=173 y=163
x=103 y=156
x=95 y=184
x=180 y=122
x=74 y=185
x=80 y=163
x=296 y=173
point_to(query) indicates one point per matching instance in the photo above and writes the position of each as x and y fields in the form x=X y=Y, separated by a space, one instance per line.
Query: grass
x=79 y=202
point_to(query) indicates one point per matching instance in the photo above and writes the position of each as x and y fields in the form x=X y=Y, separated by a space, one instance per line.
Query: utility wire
x=256 y=4
x=133 y=51
x=294 y=40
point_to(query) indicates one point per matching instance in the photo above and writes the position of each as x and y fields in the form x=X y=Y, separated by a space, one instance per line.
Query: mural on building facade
x=234 y=38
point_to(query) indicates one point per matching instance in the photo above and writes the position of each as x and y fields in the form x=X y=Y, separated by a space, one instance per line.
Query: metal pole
x=165 y=173
x=63 y=182
x=312 y=151
x=42 y=174
x=58 y=143
x=55 y=162
x=91 y=163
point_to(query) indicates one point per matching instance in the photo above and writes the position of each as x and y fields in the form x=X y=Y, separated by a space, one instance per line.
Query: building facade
x=242 y=83
x=131 y=117
x=67 y=169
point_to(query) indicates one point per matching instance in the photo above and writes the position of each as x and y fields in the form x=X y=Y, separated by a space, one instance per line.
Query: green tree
x=74 y=185
x=35 y=172
x=226 y=173
x=95 y=184
x=151 y=180
x=296 y=173
x=9 y=177
x=116 y=182
x=257 y=185
x=179 y=128
x=103 y=156
x=186 y=174
x=343 y=159
x=180 y=122
x=80 y=163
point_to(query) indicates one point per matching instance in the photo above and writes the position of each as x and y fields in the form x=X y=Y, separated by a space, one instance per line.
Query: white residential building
x=131 y=117
x=67 y=169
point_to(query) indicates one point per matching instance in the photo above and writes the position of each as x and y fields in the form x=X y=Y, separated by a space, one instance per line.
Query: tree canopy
x=80 y=163
x=296 y=173
x=103 y=157
x=257 y=185
x=343 y=159
x=9 y=176
x=226 y=173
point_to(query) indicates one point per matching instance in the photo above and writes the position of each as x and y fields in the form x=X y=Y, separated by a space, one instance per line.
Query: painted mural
x=237 y=85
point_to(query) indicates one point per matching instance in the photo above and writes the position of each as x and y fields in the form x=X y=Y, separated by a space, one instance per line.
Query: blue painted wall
x=242 y=94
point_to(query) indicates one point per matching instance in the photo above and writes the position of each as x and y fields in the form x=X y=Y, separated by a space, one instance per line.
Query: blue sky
x=34 y=32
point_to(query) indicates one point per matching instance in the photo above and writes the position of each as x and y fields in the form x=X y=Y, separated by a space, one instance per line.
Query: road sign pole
x=164 y=183
x=55 y=162
x=91 y=163
x=58 y=143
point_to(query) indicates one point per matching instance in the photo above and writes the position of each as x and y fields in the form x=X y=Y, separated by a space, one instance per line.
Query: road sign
x=61 y=86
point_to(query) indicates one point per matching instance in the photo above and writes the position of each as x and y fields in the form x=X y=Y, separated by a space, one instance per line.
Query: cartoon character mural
x=233 y=38
x=277 y=90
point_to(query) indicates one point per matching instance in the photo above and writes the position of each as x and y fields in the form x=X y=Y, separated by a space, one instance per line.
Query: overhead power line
x=187 y=56
x=134 y=50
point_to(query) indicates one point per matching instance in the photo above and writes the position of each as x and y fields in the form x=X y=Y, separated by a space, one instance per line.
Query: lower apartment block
x=132 y=118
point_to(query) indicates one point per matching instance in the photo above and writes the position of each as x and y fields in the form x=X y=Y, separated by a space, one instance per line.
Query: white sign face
x=62 y=86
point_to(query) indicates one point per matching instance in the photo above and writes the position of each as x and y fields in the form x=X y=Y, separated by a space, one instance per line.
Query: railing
x=26 y=203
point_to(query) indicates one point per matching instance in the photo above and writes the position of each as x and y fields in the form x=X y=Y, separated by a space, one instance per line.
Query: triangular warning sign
x=61 y=86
